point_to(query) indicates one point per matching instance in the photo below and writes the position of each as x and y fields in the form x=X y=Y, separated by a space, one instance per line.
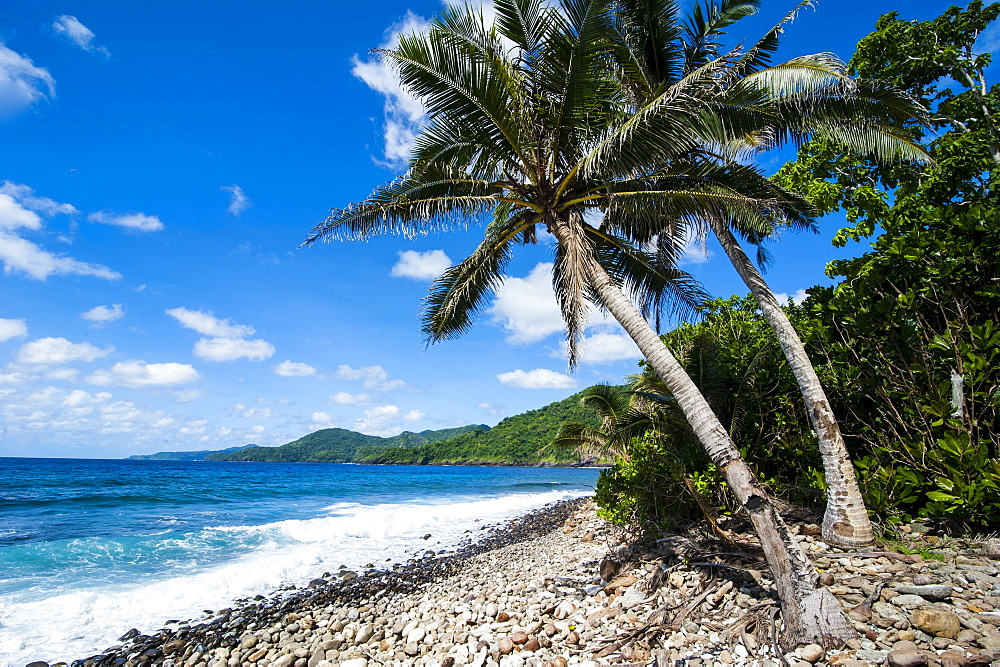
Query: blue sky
x=159 y=164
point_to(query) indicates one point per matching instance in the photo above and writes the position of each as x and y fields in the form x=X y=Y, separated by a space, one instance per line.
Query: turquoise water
x=91 y=548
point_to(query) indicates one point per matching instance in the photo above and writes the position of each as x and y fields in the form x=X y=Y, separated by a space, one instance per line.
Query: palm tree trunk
x=845 y=522
x=810 y=612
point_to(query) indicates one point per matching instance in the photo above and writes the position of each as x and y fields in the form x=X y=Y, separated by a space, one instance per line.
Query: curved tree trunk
x=810 y=612
x=845 y=522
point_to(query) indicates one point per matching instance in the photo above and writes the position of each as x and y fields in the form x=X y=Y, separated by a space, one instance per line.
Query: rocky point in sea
x=561 y=587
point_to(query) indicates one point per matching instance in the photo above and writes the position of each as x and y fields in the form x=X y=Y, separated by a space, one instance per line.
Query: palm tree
x=529 y=126
x=806 y=96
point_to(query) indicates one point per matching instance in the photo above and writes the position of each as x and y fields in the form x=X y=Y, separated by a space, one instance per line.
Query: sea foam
x=73 y=618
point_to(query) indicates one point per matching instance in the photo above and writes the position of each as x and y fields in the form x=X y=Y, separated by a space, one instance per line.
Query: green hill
x=517 y=440
x=202 y=455
x=337 y=445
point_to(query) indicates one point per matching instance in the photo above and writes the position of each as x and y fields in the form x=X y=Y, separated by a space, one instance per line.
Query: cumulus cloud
x=798 y=297
x=20 y=255
x=606 y=348
x=22 y=83
x=289 y=369
x=232 y=349
x=526 y=307
x=373 y=377
x=540 y=378
x=403 y=113
x=138 y=222
x=55 y=351
x=382 y=421
x=415 y=416
x=104 y=314
x=138 y=374
x=19 y=210
x=225 y=340
x=12 y=329
x=238 y=201
x=421 y=265
x=323 y=417
x=208 y=324
x=79 y=34
x=344 y=398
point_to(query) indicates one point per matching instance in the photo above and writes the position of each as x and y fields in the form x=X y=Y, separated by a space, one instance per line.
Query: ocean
x=92 y=548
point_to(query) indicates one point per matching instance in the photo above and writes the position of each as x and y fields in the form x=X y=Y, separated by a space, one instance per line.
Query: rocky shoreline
x=560 y=587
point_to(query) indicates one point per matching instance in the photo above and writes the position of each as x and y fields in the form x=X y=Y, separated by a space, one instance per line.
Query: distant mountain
x=519 y=440
x=337 y=445
x=186 y=456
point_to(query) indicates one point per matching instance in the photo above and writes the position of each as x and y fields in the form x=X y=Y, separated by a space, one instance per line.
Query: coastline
x=558 y=586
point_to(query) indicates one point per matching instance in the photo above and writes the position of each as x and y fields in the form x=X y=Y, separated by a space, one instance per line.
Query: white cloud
x=23 y=256
x=383 y=421
x=14 y=216
x=238 y=201
x=140 y=374
x=403 y=112
x=344 y=398
x=540 y=378
x=71 y=28
x=226 y=340
x=21 y=82
x=374 y=377
x=27 y=198
x=526 y=307
x=799 y=296
x=104 y=314
x=139 y=222
x=288 y=369
x=258 y=413
x=604 y=348
x=54 y=351
x=208 y=324
x=12 y=329
x=188 y=395
x=232 y=349
x=323 y=417
x=19 y=209
x=421 y=265
x=415 y=416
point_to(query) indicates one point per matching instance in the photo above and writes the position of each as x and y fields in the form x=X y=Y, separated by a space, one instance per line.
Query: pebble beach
x=559 y=586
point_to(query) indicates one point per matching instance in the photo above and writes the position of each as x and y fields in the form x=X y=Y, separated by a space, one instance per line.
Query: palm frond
x=571 y=280
x=435 y=199
x=460 y=293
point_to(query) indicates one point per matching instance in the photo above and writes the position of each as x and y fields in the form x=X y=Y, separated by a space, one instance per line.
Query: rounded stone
x=810 y=652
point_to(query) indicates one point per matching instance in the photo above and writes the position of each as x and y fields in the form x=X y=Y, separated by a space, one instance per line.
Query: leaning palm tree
x=528 y=126
x=806 y=96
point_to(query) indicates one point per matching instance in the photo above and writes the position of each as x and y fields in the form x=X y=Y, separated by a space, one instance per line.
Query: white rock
x=356 y=662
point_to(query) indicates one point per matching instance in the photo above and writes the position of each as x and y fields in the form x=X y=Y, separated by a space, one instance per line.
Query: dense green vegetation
x=518 y=440
x=907 y=343
x=337 y=445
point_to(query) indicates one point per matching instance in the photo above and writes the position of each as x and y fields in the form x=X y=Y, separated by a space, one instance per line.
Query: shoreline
x=343 y=590
x=557 y=586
